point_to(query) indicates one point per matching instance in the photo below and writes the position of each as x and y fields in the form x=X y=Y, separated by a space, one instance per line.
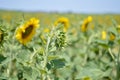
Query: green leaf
x=2 y=58
x=43 y=71
x=102 y=43
x=30 y=73
x=49 y=66
x=53 y=49
x=52 y=57
x=94 y=73
x=3 y=78
x=57 y=63
x=23 y=56
x=27 y=72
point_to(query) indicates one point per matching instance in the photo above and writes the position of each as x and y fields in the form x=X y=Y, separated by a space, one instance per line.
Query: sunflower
x=118 y=28
x=1 y=36
x=64 y=21
x=46 y=30
x=104 y=34
x=25 y=32
x=85 y=23
x=112 y=37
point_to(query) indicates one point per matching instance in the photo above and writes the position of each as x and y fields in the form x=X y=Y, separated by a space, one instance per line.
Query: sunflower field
x=59 y=46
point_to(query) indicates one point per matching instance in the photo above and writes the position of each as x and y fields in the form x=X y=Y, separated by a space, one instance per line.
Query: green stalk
x=117 y=63
x=11 y=66
x=118 y=66
x=33 y=55
x=113 y=57
x=44 y=76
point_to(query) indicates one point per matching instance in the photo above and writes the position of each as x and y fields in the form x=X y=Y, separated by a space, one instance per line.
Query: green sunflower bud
x=60 y=40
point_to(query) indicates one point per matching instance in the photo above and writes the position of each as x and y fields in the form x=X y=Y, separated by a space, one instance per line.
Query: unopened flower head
x=60 y=40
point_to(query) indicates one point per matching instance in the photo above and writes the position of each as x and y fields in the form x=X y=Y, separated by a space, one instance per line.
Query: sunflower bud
x=60 y=40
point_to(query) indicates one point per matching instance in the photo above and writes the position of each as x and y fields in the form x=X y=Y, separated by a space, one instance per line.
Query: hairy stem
x=44 y=76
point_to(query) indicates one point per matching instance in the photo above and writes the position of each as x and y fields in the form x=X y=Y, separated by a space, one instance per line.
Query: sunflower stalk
x=118 y=66
x=111 y=54
x=11 y=71
x=11 y=66
x=33 y=55
x=44 y=76
x=117 y=63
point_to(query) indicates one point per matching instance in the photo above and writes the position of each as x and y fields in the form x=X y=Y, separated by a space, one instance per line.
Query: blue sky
x=77 y=6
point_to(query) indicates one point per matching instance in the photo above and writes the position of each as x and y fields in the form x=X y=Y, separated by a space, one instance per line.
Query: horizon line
x=74 y=12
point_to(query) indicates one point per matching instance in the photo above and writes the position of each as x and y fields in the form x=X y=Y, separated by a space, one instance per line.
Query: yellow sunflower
x=85 y=24
x=64 y=21
x=46 y=30
x=25 y=32
x=104 y=34
x=118 y=28
x=112 y=37
x=1 y=36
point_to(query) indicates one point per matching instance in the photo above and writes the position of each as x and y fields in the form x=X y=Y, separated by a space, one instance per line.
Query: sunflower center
x=86 y=24
x=61 y=22
x=1 y=36
x=27 y=32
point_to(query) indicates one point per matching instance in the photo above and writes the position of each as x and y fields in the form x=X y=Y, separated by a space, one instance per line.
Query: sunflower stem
x=11 y=66
x=44 y=76
x=113 y=57
x=33 y=55
x=118 y=66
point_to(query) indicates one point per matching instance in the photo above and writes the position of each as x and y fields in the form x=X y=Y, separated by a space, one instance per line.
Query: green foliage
x=2 y=58
x=57 y=63
x=57 y=54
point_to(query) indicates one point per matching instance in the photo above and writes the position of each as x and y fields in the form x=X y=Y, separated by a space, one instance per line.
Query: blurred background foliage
x=90 y=55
